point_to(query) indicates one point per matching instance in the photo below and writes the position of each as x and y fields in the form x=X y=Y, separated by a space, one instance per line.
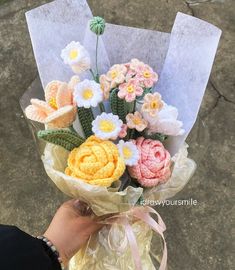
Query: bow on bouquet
x=109 y=135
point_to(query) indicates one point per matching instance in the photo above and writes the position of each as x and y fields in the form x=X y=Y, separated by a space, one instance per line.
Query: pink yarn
x=123 y=132
x=154 y=164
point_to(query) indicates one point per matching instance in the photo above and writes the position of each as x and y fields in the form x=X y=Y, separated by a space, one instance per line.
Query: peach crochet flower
x=105 y=86
x=152 y=104
x=58 y=110
x=136 y=121
x=135 y=64
x=132 y=67
x=116 y=75
x=96 y=162
x=154 y=163
x=146 y=75
x=130 y=90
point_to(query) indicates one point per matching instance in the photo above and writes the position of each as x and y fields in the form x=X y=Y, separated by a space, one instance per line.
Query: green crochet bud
x=97 y=25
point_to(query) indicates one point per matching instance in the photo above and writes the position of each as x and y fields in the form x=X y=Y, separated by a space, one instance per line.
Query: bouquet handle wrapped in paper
x=182 y=59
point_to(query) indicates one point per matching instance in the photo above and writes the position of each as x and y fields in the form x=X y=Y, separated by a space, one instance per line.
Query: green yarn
x=62 y=137
x=118 y=106
x=146 y=91
x=156 y=136
x=97 y=25
x=86 y=117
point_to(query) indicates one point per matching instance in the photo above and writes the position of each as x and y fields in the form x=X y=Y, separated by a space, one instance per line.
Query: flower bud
x=97 y=25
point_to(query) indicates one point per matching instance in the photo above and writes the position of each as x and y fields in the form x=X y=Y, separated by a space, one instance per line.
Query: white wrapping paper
x=183 y=58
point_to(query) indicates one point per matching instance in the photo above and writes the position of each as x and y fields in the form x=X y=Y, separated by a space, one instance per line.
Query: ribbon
x=141 y=213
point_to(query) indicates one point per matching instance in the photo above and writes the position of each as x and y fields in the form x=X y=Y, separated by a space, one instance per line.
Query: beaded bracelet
x=53 y=249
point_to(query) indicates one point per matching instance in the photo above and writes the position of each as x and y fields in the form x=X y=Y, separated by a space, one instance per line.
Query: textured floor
x=199 y=237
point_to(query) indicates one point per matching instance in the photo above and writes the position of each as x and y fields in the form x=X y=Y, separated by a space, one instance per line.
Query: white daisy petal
x=107 y=126
x=129 y=152
x=88 y=94
x=75 y=55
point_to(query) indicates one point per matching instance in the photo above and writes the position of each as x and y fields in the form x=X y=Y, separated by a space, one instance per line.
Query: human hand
x=70 y=228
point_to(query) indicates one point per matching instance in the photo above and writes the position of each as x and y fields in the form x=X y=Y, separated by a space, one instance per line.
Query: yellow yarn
x=96 y=162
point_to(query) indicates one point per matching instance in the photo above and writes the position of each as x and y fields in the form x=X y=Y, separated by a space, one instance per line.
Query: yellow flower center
x=52 y=103
x=137 y=121
x=114 y=74
x=87 y=94
x=126 y=152
x=147 y=74
x=73 y=54
x=106 y=126
x=154 y=105
x=130 y=89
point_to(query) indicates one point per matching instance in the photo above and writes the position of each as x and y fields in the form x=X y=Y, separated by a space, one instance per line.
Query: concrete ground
x=199 y=237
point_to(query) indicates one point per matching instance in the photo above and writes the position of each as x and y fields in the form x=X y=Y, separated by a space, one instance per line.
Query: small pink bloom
x=146 y=76
x=154 y=164
x=136 y=121
x=123 y=132
x=116 y=75
x=152 y=104
x=130 y=90
x=105 y=86
x=135 y=64
x=132 y=67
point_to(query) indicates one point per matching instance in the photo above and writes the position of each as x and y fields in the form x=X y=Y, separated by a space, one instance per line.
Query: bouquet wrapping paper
x=183 y=59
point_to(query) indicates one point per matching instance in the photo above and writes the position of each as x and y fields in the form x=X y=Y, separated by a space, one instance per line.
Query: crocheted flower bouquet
x=114 y=136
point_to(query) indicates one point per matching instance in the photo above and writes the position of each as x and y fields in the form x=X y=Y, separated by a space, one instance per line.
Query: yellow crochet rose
x=96 y=162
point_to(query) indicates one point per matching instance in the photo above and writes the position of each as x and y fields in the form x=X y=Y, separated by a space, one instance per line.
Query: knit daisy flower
x=129 y=152
x=75 y=55
x=88 y=94
x=130 y=90
x=107 y=126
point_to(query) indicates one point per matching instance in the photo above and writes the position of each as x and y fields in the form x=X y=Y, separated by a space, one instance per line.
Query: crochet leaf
x=118 y=106
x=65 y=138
x=156 y=136
x=86 y=117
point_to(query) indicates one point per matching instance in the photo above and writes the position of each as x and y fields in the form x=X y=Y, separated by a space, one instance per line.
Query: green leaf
x=118 y=106
x=157 y=136
x=65 y=138
x=86 y=117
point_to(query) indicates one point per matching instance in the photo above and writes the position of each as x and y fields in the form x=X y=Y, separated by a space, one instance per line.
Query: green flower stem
x=132 y=133
x=134 y=106
x=93 y=75
x=101 y=106
x=96 y=57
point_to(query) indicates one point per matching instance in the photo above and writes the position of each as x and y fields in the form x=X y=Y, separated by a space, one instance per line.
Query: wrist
x=54 y=252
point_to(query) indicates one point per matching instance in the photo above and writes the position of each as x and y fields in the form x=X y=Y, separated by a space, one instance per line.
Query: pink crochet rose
x=154 y=164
